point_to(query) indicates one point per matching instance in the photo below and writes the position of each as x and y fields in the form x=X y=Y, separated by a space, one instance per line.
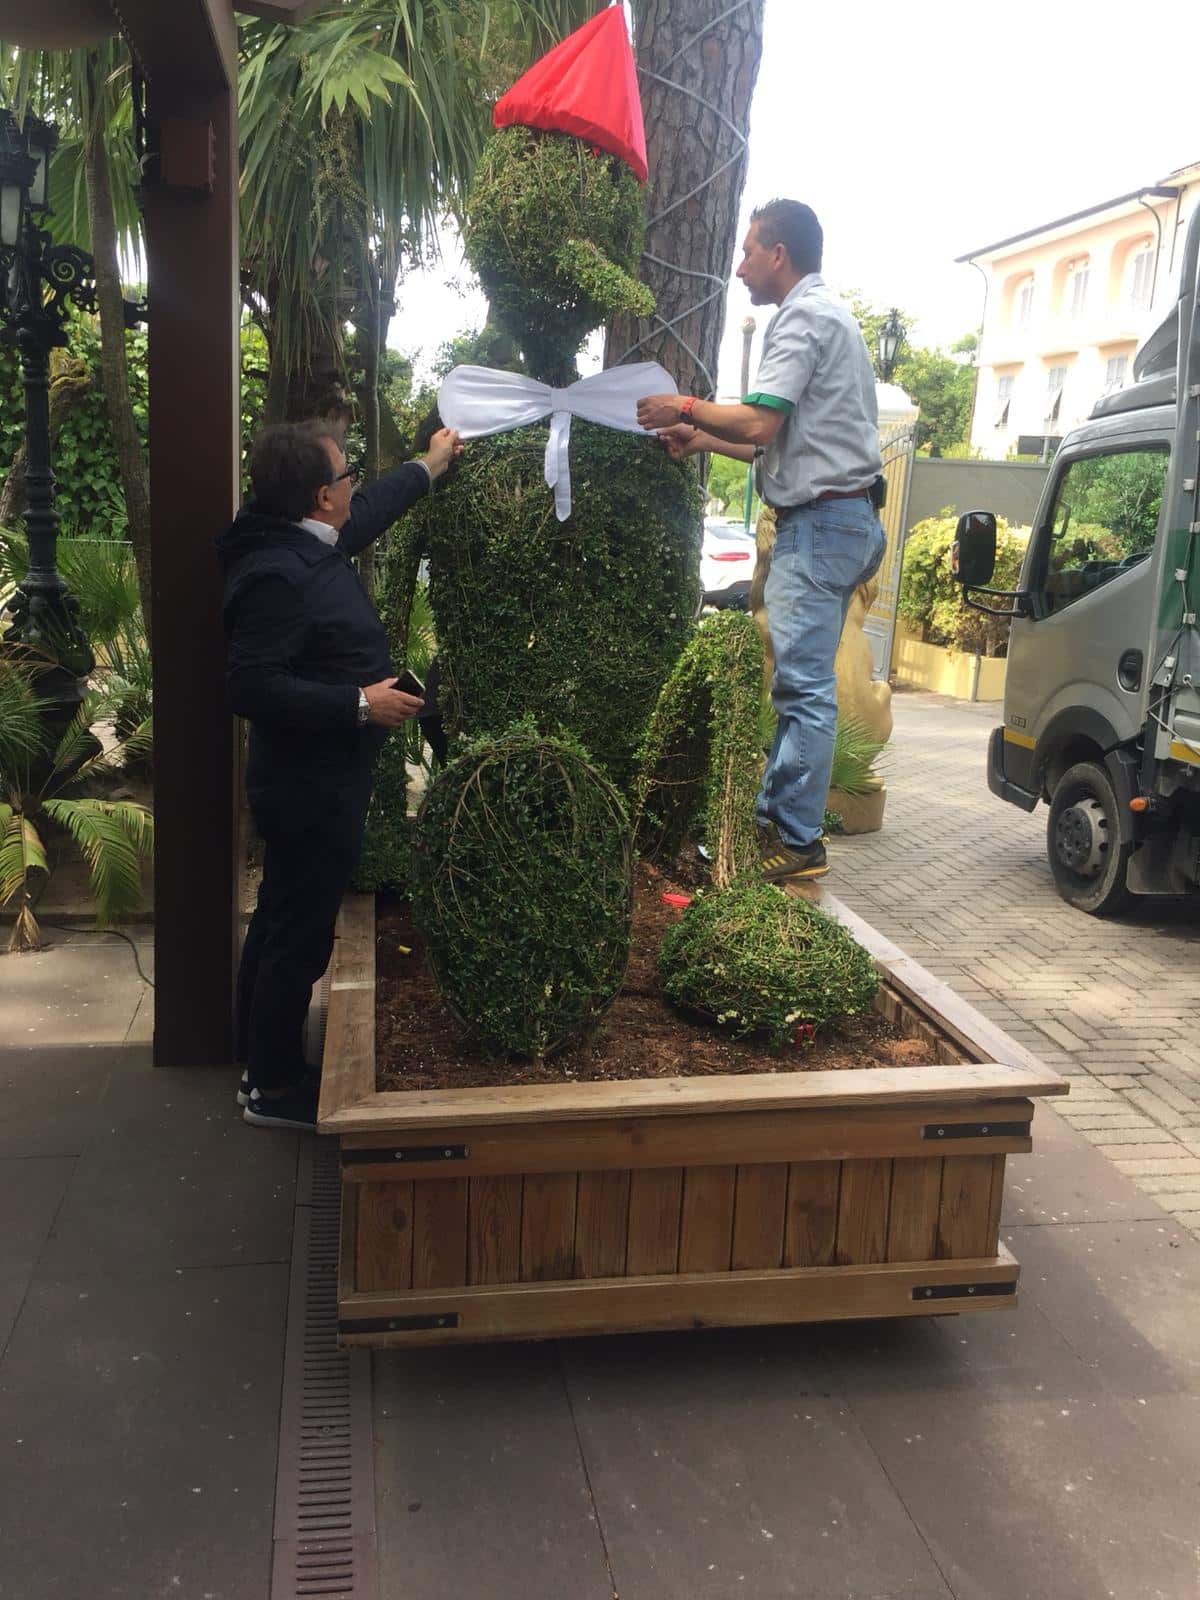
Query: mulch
x=421 y=1045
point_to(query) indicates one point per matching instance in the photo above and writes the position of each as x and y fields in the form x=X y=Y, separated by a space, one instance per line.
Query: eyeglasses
x=353 y=470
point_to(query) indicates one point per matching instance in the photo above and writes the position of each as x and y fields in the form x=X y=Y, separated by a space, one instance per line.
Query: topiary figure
x=576 y=623
x=522 y=882
x=759 y=960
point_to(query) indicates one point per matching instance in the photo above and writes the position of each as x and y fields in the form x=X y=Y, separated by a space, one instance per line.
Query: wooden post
x=188 y=52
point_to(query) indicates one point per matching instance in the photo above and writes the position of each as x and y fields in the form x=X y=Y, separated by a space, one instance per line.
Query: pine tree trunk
x=691 y=236
x=114 y=370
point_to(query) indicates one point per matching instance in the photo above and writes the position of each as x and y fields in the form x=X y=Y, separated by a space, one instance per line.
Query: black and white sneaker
x=289 y=1108
x=243 y=1094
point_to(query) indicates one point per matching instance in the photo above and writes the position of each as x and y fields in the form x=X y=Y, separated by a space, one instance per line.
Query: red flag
x=587 y=85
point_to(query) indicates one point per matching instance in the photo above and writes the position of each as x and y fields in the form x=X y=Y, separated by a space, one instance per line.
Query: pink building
x=1067 y=305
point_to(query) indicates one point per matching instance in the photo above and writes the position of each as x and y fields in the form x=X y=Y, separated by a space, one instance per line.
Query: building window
x=1077 y=287
x=1114 y=373
x=1004 y=393
x=1056 y=378
x=1141 y=278
x=1023 y=302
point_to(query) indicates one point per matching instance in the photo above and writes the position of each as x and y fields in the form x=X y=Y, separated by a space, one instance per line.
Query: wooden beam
x=188 y=50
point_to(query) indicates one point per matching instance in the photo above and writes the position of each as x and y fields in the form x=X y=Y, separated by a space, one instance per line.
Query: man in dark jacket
x=310 y=669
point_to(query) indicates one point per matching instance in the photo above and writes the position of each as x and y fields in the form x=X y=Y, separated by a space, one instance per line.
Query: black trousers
x=312 y=833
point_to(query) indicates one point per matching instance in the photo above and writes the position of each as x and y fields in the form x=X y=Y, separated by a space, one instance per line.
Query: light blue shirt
x=815 y=368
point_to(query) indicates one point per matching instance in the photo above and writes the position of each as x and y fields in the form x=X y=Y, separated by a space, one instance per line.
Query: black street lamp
x=41 y=281
x=891 y=337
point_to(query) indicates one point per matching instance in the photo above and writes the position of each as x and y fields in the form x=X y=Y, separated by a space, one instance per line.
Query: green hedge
x=931 y=602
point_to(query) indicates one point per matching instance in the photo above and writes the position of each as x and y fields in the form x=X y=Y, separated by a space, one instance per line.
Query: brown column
x=191 y=231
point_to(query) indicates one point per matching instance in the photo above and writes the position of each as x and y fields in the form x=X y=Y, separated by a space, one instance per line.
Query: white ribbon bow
x=481 y=400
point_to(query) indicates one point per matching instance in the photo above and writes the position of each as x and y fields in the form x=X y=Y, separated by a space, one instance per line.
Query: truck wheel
x=1083 y=841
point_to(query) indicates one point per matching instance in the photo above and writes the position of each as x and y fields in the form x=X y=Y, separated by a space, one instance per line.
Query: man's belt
x=830 y=494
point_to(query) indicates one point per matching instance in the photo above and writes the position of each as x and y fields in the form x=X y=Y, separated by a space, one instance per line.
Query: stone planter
x=860 y=813
x=539 y=1211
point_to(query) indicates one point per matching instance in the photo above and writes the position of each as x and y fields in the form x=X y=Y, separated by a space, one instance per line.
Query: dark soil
x=420 y=1045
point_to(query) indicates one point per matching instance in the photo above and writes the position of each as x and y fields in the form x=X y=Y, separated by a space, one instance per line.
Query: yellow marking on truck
x=1025 y=740
x=1184 y=752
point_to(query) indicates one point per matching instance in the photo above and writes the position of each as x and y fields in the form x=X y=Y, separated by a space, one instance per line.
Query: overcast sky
x=920 y=132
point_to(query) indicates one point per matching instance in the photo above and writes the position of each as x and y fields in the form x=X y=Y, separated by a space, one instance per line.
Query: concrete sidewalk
x=961 y=882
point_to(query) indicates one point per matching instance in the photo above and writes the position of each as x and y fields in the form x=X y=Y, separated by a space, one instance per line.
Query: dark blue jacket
x=303 y=636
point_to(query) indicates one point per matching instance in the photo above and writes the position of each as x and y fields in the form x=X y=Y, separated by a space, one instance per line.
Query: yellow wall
x=942 y=671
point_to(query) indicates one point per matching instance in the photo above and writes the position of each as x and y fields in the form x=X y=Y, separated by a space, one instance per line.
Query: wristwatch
x=364 y=708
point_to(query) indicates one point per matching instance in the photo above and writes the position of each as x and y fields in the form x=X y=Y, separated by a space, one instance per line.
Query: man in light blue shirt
x=811 y=426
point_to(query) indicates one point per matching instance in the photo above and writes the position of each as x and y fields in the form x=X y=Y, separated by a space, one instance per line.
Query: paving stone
x=480 y=1484
x=720 y=1467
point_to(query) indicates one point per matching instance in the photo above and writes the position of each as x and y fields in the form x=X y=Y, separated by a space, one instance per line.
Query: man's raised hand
x=443 y=448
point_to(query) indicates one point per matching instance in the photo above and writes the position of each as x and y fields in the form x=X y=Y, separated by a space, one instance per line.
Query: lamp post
x=41 y=281
x=891 y=337
x=747 y=340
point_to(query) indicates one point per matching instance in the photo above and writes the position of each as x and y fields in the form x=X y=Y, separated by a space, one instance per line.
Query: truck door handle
x=1129 y=670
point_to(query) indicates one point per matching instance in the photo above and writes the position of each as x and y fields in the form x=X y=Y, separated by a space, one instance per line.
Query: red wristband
x=685 y=410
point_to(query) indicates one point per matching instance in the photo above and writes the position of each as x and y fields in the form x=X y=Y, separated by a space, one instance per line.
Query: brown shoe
x=781 y=860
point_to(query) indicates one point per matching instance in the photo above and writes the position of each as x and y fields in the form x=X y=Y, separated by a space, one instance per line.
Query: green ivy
x=758 y=960
x=522 y=881
x=700 y=762
x=555 y=233
x=578 y=623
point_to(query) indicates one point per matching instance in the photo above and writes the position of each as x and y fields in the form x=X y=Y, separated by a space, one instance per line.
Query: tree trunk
x=114 y=371
x=697 y=160
x=371 y=341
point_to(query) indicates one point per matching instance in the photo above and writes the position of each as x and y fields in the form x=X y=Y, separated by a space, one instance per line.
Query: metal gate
x=897 y=444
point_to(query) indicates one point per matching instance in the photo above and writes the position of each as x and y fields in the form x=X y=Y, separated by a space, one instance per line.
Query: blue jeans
x=822 y=553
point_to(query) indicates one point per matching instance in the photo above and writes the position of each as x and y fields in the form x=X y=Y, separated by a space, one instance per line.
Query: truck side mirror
x=973 y=554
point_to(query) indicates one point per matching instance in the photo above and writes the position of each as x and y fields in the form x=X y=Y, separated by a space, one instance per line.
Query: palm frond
x=21 y=853
x=22 y=731
x=114 y=836
x=856 y=755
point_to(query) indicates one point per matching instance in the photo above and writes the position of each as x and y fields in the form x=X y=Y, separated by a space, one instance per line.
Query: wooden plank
x=347 y=1234
x=439 y=1233
x=913 y=1215
x=966 y=1213
x=706 y=1222
x=598 y=1305
x=548 y=1207
x=759 y=1212
x=602 y=1224
x=655 y=1206
x=992 y=1235
x=494 y=1230
x=960 y=1085
x=719 y=1138
x=383 y=1247
x=863 y=1212
x=810 y=1230
x=348 y=1058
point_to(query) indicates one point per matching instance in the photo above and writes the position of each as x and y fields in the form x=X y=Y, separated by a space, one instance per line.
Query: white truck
x=1102 y=696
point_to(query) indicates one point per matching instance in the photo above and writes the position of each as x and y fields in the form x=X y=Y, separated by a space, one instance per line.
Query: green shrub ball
x=522 y=880
x=760 y=961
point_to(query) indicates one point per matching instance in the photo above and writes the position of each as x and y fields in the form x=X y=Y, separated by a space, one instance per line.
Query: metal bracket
x=445 y=1319
x=962 y=1291
x=975 y=1130
x=406 y=1153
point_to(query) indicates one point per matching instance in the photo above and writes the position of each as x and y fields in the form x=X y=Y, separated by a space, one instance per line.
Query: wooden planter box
x=552 y=1209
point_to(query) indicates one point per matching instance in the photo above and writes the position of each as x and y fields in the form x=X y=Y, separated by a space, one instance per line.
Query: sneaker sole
x=775 y=874
x=258 y=1121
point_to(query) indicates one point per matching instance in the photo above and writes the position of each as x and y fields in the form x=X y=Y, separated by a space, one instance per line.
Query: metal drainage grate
x=324 y=1490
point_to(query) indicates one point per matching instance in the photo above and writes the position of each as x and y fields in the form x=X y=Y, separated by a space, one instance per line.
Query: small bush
x=762 y=961
x=931 y=602
x=522 y=883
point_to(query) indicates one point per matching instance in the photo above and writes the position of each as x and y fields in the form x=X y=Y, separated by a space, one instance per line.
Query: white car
x=726 y=563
